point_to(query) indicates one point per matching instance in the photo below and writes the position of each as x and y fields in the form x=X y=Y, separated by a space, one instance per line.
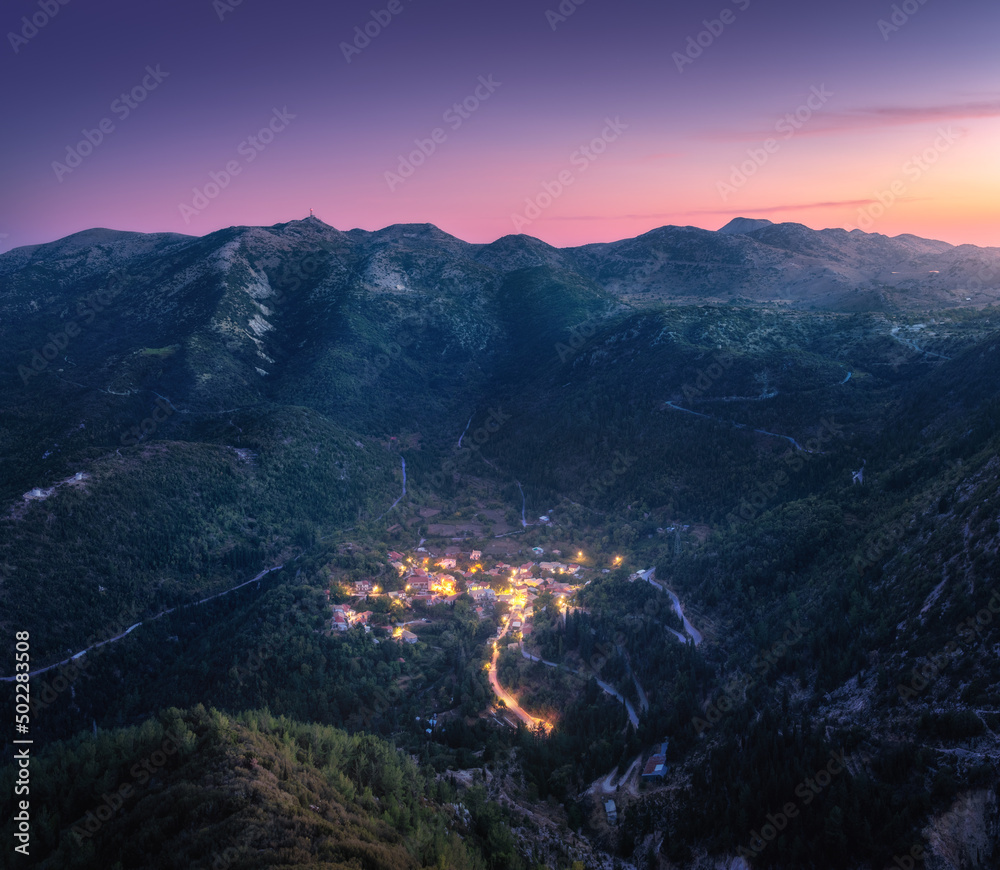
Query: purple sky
x=593 y=125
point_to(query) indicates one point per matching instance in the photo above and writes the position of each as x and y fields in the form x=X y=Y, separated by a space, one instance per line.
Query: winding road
x=640 y=691
x=466 y=429
x=607 y=687
x=910 y=343
x=398 y=500
x=506 y=697
x=524 y=715
x=693 y=632
x=132 y=628
x=607 y=786
x=787 y=438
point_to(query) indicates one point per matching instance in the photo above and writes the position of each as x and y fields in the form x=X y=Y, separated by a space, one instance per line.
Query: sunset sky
x=684 y=122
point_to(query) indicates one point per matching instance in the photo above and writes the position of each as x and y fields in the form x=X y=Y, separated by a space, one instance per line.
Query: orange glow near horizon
x=591 y=135
x=814 y=179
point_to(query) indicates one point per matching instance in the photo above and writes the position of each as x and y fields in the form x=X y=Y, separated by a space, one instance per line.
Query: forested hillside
x=196 y=788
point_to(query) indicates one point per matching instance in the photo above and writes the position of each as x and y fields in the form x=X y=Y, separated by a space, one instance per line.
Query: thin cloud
x=801 y=206
x=739 y=212
x=822 y=122
x=663 y=155
x=604 y=217
x=892 y=115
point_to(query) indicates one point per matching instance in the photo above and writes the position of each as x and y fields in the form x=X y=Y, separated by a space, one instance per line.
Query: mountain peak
x=311 y=221
x=741 y=225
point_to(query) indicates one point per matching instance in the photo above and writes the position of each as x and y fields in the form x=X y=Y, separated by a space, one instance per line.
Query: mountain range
x=794 y=427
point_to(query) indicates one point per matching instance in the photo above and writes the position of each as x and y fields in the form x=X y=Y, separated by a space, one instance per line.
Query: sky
x=571 y=121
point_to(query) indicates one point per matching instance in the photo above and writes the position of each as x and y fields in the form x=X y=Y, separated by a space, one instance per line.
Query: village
x=397 y=603
x=432 y=576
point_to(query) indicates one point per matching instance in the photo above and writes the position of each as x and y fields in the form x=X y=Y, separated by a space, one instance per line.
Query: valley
x=464 y=541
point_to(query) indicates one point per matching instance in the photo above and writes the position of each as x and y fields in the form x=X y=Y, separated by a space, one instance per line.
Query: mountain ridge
x=754 y=259
x=296 y=395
